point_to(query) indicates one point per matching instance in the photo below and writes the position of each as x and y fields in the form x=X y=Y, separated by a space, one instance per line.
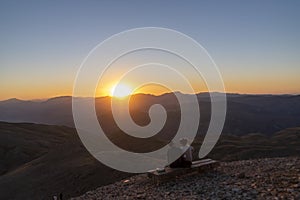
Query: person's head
x=183 y=141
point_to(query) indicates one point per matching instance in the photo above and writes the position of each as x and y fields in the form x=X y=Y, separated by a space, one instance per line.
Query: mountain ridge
x=245 y=113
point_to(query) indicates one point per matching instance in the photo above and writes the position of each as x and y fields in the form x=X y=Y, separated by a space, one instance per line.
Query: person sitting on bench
x=173 y=153
x=188 y=153
x=185 y=160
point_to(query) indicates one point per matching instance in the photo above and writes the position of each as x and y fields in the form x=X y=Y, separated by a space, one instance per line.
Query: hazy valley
x=38 y=161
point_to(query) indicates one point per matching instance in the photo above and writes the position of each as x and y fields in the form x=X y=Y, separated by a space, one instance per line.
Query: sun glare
x=120 y=91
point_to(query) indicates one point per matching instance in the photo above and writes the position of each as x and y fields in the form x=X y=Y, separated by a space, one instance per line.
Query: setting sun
x=120 y=90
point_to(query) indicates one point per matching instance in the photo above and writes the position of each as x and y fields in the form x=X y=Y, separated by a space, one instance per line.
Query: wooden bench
x=171 y=173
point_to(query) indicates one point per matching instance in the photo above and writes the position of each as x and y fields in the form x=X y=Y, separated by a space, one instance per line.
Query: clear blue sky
x=44 y=42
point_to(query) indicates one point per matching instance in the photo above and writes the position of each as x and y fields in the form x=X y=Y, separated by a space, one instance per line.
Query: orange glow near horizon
x=245 y=86
x=34 y=96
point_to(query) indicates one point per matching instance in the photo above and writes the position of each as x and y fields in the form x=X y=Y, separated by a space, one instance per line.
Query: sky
x=256 y=44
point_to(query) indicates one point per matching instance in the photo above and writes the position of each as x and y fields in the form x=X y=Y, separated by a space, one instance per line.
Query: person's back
x=173 y=154
x=187 y=152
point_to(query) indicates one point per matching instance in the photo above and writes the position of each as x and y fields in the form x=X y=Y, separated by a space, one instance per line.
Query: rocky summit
x=269 y=178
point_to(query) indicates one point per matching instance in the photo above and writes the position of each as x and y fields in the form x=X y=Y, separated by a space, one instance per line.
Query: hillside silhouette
x=39 y=161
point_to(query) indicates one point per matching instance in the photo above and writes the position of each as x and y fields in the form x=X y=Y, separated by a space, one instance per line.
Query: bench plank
x=171 y=173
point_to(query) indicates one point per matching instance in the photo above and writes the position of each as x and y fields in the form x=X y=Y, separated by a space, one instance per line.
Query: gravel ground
x=273 y=178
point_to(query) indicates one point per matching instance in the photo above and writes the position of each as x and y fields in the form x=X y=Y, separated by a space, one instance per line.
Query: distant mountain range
x=264 y=114
x=39 y=161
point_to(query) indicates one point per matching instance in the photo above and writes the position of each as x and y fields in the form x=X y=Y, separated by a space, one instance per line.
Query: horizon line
x=105 y=96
